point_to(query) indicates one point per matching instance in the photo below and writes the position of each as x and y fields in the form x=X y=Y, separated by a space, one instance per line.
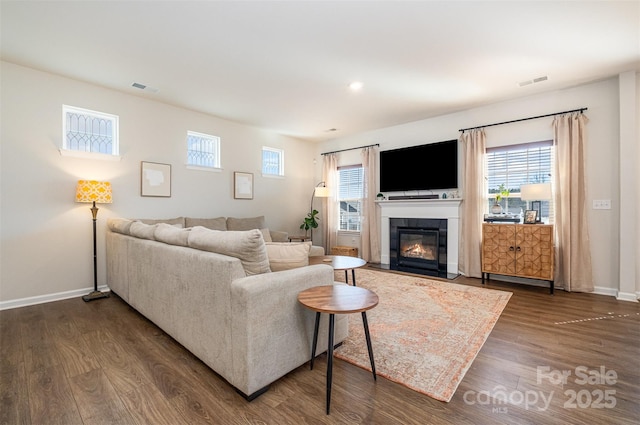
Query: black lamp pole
x=95 y=295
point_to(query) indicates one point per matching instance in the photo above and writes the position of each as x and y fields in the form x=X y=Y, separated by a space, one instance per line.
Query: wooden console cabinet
x=522 y=250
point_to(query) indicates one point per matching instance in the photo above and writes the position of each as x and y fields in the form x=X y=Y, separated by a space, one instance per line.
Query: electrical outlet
x=602 y=204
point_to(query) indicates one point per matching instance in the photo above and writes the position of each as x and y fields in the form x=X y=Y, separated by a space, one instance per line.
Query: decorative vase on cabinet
x=496 y=209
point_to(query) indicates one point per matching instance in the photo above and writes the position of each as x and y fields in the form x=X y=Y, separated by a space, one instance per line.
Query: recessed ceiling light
x=355 y=86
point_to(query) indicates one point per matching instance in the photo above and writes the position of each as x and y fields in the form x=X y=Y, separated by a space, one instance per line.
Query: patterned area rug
x=425 y=333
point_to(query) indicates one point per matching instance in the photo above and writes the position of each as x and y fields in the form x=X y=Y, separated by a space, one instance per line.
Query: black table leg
x=353 y=275
x=366 y=333
x=330 y=361
x=315 y=339
x=346 y=276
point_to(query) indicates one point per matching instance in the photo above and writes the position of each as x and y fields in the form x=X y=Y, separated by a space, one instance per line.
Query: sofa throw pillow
x=142 y=230
x=285 y=256
x=219 y=223
x=171 y=234
x=250 y=223
x=247 y=246
x=119 y=225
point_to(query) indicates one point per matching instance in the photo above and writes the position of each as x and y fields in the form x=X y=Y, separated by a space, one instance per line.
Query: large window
x=89 y=131
x=515 y=165
x=203 y=150
x=350 y=192
x=272 y=161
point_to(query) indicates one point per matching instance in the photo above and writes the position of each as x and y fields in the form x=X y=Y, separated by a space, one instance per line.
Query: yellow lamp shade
x=93 y=191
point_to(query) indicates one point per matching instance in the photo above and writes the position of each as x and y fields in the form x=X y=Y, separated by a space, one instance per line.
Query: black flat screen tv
x=433 y=166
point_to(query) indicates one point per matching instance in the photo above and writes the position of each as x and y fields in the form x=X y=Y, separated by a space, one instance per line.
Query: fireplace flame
x=417 y=250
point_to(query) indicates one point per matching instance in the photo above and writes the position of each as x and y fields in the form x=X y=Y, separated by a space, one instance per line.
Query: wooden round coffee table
x=338 y=299
x=340 y=262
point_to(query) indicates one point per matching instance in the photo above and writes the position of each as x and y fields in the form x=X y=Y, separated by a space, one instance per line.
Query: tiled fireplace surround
x=423 y=208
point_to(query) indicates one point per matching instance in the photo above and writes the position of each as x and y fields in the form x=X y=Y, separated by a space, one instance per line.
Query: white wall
x=46 y=244
x=601 y=99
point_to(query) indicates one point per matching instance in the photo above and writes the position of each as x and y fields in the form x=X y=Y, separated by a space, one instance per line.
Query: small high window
x=272 y=162
x=203 y=150
x=89 y=131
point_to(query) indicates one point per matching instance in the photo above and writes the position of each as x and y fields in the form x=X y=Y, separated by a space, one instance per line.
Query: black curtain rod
x=524 y=119
x=350 y=149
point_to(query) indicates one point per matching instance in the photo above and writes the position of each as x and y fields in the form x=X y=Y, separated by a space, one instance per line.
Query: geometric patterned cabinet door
x=522 y=250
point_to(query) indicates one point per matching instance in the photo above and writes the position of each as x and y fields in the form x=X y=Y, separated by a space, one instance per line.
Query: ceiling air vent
x=144 y=87
x=535 y=80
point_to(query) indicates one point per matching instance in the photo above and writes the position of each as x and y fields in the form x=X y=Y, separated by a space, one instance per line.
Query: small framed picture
x=242 y=185
x=537 y=206
x=155 y=179
x=530 y=216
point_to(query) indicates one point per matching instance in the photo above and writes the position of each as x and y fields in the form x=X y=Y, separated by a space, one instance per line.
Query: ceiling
x=286 y=65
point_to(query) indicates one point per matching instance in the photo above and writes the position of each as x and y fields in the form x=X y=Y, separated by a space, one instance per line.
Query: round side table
x=338 y=299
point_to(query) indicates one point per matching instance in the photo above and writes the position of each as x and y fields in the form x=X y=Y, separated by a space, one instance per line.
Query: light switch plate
x=602 y=204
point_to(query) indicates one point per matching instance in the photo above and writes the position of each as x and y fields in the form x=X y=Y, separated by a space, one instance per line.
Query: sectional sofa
x=220 y=290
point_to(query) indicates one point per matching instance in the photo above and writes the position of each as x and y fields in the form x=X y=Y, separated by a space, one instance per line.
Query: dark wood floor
x=71 y=362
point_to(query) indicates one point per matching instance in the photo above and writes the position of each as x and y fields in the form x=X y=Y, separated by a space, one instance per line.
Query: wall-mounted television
x=433 y=166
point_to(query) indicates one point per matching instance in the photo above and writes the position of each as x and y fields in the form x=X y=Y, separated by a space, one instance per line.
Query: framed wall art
x=155 y=179
x=242 y=185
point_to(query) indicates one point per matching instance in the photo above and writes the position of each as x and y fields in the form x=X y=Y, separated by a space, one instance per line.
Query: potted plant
x=310 y=221
x=503 y=192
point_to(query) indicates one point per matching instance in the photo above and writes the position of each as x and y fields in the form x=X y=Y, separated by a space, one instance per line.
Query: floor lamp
x=320 y=191
x=93 y=191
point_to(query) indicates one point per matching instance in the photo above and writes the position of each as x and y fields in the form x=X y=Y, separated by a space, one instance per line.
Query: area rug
x=425 y=333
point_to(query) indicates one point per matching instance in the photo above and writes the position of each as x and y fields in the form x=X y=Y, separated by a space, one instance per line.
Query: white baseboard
x=603 y=290
x=627 y=296
x=41 y=299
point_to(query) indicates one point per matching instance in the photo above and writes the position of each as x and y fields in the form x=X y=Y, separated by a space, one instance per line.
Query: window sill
x=199 y=168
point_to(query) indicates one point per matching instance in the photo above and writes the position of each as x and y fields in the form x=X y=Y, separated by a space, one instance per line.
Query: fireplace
x=418 y=245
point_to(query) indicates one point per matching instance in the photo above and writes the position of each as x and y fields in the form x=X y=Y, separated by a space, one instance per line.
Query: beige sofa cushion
x=266 y=234
x=171 y=234
x=119 y=225
x=142 y=230
x=219 y=223
x=178 y=221
x=285 y=256
x=247 y=246
x=250 y=223
x=278 y=236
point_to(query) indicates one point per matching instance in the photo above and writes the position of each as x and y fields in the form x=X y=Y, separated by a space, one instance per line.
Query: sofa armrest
x=316 y=251
x=267 y=317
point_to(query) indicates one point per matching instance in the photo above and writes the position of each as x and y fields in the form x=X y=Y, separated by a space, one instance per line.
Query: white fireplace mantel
x=422 y=208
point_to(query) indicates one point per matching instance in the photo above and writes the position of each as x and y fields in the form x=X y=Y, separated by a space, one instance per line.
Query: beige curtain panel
x=573 y=253
x=330 y=208
x=370 y=228
x=472 y=212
